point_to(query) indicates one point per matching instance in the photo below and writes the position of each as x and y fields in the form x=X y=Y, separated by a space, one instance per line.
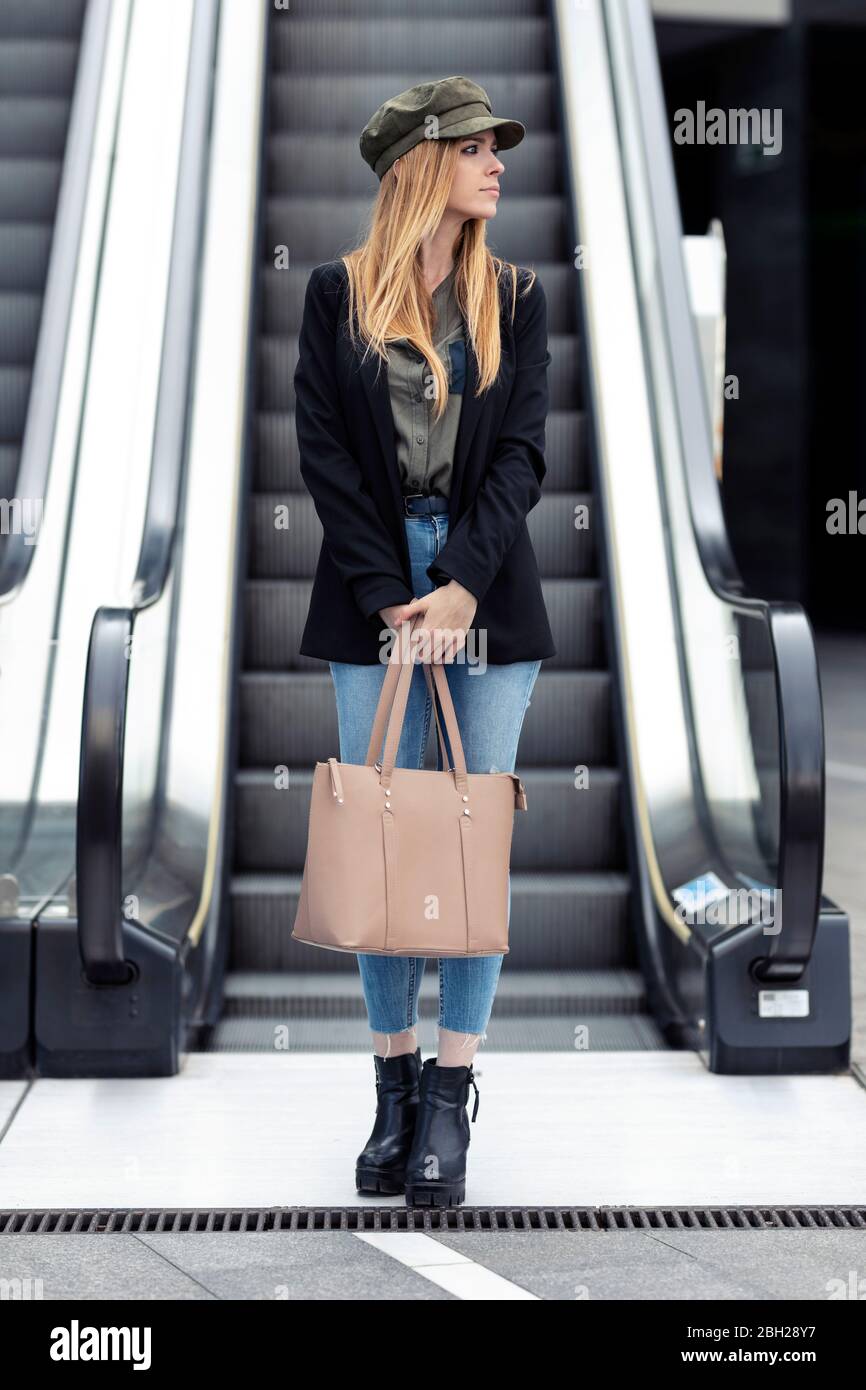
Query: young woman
x=421 y=399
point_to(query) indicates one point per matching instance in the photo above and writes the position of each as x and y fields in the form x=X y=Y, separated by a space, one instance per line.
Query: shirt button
x=420 y=438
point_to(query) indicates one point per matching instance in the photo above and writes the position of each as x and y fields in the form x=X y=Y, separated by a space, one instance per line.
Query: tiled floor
x=615 y=1128
x=698 y=1266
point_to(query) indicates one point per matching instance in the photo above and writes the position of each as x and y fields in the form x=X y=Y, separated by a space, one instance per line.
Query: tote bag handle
x=398 y=713
x=386 y=700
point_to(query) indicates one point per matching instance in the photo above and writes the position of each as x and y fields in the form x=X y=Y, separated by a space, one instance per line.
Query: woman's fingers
x=436 y=643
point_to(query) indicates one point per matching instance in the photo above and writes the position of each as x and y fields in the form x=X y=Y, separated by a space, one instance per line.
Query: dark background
x=795 y=231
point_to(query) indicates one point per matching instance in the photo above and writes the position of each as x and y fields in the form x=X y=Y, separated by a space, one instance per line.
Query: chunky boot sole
x=374 y=1180
x=435 y=1194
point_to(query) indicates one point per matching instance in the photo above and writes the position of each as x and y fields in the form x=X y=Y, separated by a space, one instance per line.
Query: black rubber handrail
x=42 y=407
x=99 y=820
x=795 y=664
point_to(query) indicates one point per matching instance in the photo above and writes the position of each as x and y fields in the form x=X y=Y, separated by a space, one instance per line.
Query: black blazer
x=348 y=461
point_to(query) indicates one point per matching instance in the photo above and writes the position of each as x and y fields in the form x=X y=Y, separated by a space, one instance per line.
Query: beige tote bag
x=406 y=861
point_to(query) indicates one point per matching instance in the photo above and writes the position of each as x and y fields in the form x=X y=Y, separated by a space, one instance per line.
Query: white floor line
x=443 y=1266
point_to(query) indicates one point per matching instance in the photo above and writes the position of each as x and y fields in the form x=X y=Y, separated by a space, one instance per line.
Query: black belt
x=421 y=503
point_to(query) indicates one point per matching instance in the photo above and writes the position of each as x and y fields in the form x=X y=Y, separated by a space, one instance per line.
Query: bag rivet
x=466 y=798
x=388 y=804
x=465 y=811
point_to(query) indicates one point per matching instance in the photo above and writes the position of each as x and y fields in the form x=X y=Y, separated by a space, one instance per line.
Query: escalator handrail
x=48 y=363
x=99 y=822
x=795 y=665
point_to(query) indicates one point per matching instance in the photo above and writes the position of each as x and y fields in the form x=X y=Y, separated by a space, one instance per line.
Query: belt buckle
x=407 y=496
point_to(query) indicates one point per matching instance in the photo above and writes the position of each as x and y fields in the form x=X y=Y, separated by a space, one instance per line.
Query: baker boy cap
x=461 y=107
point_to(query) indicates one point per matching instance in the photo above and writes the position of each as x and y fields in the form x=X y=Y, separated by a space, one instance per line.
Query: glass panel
x=725 y=649
x=37 y=817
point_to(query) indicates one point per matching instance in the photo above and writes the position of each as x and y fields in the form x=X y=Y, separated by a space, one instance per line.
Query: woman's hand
x=448 y=613
x=395 y=615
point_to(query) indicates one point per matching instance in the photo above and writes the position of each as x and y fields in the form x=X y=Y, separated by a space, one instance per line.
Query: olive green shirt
x=425 y=449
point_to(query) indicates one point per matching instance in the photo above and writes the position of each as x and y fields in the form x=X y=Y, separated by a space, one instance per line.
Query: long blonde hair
x=387 y=295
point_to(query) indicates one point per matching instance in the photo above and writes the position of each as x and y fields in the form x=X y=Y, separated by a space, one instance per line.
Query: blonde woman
x=421 y=400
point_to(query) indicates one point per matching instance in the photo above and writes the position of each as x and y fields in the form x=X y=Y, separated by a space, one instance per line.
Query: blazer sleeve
x=480 y=540
x=355 y=535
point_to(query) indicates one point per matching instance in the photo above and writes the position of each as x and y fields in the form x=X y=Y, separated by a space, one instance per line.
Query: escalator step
x=559 y=921
x=287 y=717
x=50 y=19
x=331 y=46
x=24 y=257
x=14 y=395
x=252 y=994
x=282 y=296
x=290 y=552
x=275 y=611
x=28 y=189
x=19 y=327
x=328 y=163
x=404 y=9
x=33 y=127
x=33 y=67
x=525 y=1033
x=278 y=357
x=318 y=228
x=276 y=462
x=10 y=456
x=300 y=101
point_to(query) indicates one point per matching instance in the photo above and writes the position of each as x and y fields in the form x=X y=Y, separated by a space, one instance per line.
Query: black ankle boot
x=436 y=1167
x=381 y=1166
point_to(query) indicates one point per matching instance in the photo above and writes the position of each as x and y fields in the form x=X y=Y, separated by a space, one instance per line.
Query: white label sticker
x=783 y=1003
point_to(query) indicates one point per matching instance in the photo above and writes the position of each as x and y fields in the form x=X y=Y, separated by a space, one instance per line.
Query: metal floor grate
x=181 y=1221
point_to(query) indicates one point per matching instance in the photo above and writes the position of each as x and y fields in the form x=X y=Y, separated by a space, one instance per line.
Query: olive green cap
x=457 y=106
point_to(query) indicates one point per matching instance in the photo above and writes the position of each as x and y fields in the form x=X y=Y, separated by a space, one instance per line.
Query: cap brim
x=508 y=133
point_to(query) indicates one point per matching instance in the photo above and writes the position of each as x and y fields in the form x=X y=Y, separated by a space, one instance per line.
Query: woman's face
x=476 y=177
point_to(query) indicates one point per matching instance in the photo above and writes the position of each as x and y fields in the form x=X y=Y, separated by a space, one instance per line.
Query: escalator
x=52 y=59
x=573 y=962
x=674 y=741
x=39 y=47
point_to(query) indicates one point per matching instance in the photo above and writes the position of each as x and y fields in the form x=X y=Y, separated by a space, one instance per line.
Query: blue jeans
x=490 y=703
